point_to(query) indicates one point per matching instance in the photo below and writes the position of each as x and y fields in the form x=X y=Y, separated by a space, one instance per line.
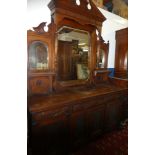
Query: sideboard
x=67 y=120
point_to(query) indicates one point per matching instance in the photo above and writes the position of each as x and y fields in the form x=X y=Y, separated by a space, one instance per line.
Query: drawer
x=92 y=102
x=52 y=114
x=85 y=104
x=112 y=97
x=49 y=117
x=39 y=85
x=79 y=106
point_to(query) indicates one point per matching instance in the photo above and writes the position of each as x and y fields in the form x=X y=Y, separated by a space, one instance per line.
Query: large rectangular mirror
x=73 y=53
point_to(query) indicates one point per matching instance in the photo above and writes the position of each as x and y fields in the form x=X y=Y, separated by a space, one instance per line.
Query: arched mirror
x=73 y=54
x=38 y=56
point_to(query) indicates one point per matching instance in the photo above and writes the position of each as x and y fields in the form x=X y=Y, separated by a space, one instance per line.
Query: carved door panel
x=124 y=100
x=113 y=114
x=95 y=120
x=50 y=131
x=49 y=139
x=78 y=129
x=125 y=107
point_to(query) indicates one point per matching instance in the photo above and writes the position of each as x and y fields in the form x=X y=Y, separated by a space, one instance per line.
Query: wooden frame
x=101 y=45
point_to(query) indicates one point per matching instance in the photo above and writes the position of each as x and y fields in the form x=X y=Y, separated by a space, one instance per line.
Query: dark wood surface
x=38 y=103
x=76 y=116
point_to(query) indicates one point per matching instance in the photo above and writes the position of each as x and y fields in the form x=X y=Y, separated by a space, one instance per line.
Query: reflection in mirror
x=100 y=58
x=73 y=49
x=38 y=55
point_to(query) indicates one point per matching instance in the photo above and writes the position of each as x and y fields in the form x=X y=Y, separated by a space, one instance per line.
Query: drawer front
x=51 y=116
x=39 y=85
x=112 y=97
x=79 y=106
x=85 y=104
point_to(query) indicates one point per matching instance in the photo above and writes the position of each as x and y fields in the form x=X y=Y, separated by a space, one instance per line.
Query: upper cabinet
x=70 y=52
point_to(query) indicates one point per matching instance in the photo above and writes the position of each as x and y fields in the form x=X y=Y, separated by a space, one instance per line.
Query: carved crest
x=40 y=28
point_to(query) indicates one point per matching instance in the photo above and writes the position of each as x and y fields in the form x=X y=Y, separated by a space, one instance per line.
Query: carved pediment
x=86 y=10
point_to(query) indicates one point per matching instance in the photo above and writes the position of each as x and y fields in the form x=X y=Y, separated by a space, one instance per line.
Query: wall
x=37 y=12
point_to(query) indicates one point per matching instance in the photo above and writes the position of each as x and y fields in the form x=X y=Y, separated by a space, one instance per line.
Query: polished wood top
x=41 y=103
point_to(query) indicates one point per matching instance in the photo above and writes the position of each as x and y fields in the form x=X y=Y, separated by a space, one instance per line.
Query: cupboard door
x=113 y=114
x=124 y=106
x=95 y=120
x=50 y=131
x=78 y=129
x=51 y=139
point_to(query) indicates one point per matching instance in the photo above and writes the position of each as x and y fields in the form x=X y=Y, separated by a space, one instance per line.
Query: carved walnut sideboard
x=71 y=98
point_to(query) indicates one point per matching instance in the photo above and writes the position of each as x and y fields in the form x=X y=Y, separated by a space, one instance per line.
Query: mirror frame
x=105 y=47
x=77 y=30
x=91 y=30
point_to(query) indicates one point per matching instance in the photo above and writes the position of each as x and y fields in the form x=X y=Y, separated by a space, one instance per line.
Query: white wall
x=37 y=12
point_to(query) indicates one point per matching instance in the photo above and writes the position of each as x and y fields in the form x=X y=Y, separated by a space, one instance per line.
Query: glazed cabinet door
x=39 y=63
